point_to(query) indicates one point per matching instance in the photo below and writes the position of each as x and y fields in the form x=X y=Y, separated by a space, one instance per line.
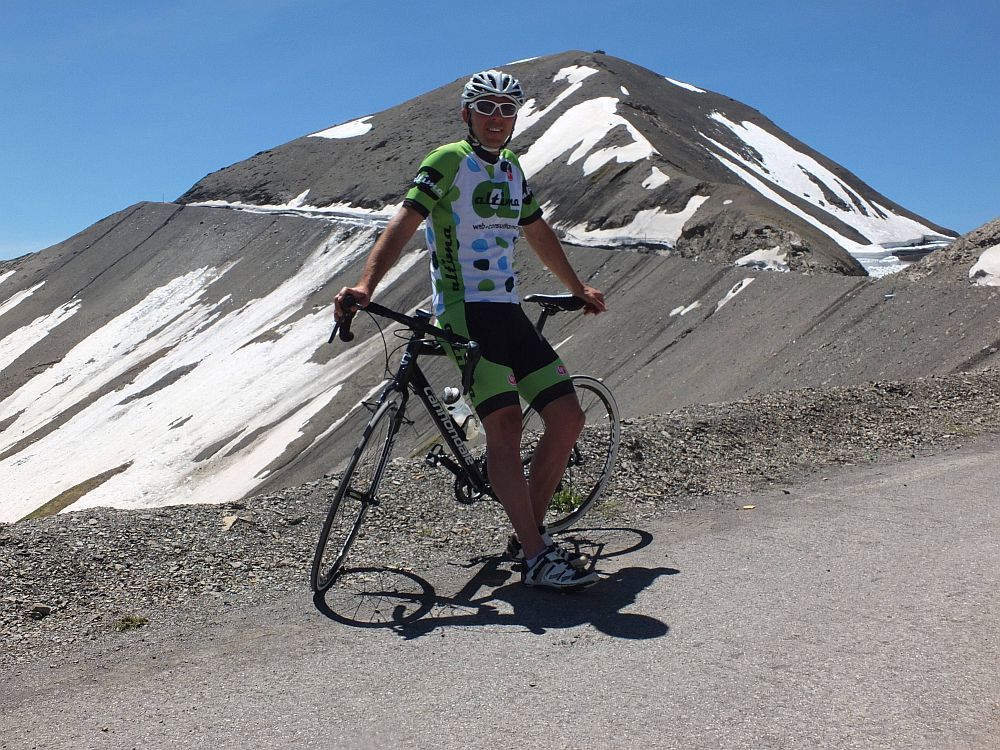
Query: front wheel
x=357 y=491
x=592 y=460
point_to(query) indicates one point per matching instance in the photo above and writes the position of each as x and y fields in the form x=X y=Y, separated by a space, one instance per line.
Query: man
x=475 y=200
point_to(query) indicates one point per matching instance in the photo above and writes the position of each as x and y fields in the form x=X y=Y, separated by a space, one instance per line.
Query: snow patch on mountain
x=737 y=288
x=768 y=192
x=773 y=259
x=351 y=129
x=5 y=276
x=775 y=161
x=986 y=271
x=179 y=350
x=22 y=339
x=682 y=311
x=299 y=200
x=581 y=128
x=652 y=226
x=687 y=86
x=656 y=179
x=345 y=213
x=172 y=309
x=574 y=75
x=730 y=295
x=16 y=299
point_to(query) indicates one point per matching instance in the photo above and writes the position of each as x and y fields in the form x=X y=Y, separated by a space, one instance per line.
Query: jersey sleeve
x=530 y=210
x=434 y=179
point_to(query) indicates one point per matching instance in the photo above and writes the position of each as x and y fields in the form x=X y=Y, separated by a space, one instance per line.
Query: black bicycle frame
x=409 y=377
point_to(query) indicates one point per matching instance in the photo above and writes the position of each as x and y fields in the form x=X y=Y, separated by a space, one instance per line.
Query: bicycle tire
x=592 y=461
x=356 y=492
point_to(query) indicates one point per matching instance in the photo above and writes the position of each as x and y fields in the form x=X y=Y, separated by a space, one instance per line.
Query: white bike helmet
x=492 y=83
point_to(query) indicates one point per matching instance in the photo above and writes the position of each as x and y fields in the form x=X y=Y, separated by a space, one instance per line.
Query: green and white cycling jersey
x=473 y=210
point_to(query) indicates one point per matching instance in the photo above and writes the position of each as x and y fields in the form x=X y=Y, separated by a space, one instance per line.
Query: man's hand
x=593 y=299
x=549 y=249
x=361 y=296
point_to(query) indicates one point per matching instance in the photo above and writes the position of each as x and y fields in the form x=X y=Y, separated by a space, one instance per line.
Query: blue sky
x=109 y=103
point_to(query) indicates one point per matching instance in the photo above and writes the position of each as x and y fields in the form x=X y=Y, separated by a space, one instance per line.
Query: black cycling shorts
x=516 y=360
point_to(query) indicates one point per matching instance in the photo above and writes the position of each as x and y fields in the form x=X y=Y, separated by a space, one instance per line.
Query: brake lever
x=343 y=330
x=343 y=326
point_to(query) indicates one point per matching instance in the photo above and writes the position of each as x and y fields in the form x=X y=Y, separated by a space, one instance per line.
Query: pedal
x=435 y=457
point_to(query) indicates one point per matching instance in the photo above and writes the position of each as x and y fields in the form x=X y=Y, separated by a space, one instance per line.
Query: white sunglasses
x=487 y=108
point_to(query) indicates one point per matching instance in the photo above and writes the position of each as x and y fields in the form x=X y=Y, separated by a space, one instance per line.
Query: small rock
x=39 y=611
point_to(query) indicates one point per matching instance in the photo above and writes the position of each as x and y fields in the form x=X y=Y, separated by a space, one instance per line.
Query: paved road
x=857 y=612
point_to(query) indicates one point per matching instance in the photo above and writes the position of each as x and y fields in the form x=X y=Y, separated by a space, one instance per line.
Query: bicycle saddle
x=556 y=301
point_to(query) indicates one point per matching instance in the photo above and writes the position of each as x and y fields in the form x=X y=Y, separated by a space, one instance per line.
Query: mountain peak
x=620 y=155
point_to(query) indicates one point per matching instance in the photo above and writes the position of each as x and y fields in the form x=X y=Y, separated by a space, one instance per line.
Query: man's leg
x=564 y=420
x=503 y=455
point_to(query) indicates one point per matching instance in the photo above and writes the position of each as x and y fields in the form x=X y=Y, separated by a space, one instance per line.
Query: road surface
x=858 y=610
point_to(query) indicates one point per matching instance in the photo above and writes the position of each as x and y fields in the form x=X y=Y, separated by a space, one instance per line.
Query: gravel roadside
x=100 y=575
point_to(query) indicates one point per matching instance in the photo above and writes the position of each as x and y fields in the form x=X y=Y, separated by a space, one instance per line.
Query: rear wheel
x=356 y=492
x=592 y=460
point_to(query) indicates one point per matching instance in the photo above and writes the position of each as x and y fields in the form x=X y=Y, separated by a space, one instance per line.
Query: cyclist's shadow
x=494 y=596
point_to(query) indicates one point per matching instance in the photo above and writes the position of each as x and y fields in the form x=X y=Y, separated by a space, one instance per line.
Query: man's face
x=490 y=130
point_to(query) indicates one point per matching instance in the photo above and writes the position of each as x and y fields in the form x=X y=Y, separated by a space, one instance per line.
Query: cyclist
x=475 y=200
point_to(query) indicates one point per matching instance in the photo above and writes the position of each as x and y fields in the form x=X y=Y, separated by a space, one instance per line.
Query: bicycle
x=587 y=472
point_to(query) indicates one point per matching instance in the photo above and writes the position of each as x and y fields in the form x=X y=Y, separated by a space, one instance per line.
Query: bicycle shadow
x=494 y=597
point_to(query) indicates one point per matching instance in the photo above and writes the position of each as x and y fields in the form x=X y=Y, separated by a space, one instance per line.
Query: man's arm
x=550 y=251
x=383 y=256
